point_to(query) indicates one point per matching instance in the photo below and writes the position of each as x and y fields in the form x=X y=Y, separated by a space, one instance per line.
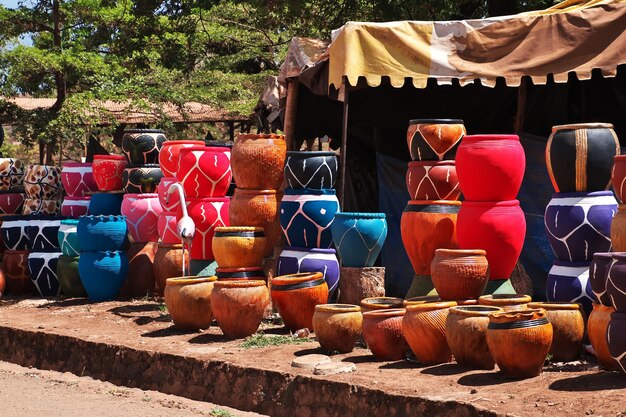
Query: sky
x=9 y=3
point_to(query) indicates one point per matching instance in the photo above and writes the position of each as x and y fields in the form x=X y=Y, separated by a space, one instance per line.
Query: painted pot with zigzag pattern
x=432 y=180
x=43 y=232
x=142 y=146
x=204 y=171
x=569 y=282
x=579 y=157
x=359 y=237
x=208 y=213
x=142 y=215
x=434 y=139
x=170 y=153
x=43 y=272
x=314 y=170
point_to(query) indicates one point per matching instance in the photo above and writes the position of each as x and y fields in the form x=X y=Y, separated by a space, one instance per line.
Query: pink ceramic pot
x=75 y=206
x=207 y=214
x=78 y=178
x=167 y=228
x=204 y=171
x=170 y=152
x=162 y=189
x=108 y=170
x=142 y=214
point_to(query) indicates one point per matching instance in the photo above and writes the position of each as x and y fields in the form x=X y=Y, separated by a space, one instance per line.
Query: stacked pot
x=578 y=217
x=11 y=186
x=67 y=265
x=429 y=220
x=79 y=182
x=44 y=254
x=44 y=190
x=15 y=257
x=108 y=171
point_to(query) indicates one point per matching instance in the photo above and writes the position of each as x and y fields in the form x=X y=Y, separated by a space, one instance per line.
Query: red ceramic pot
x=497 y=227
x=618 y=176
x=78 y=178
x=11 y=203
x=490 y=167
x=75 y=206
x=432 y=180
x=167 y=228
x=204 y=171
x=15 y=268
x=174 y=200
x=207 y=214
x=142 y=214
x=170 y=152
x=108 y=170
x=382 y=332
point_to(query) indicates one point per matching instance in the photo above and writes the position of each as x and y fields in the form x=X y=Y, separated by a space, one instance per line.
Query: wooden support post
x=231 y=130
x=522 y=93
x=344 y=143
x=291 y=111
x=359 y=283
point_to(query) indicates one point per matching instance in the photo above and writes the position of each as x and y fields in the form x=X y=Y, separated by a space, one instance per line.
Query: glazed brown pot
x=381 y=303
x=141 y=276
x=466 y=333
x=3 y=283
x=168 y=263
x=16 y=274
x=295 y=297
x=239 y=247
x=506 y=301
x=382 y=332
x=596 y=330
x=618 y=229
x=568 y=329
x=519 y=341
x=188 y=301
x=258 y=161
x=238 y=306
x=258 y=208
x=459 y=273
x=337 y=326
x=424 y=327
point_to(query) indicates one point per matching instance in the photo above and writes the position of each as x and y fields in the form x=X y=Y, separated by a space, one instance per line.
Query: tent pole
x=522 y=93
x=344 y=143
x=291 y=111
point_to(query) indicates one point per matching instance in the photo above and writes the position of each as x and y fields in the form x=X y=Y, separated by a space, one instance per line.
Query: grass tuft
x=261 y=340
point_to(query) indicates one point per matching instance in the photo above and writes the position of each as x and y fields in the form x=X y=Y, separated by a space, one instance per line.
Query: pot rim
x=475 y=310
x=382 y=302
x=311 y=153
x=74 y=164
x=247 y=136
x=503 y=203
x=575 y=126
x=581 y=195
x=337 y=308
x=137 y=166
x=461 y=252
x=431 y=163
x=45 y=166
x=504 y=299
x=143 y=131
x=242 y=269
x=17 y=252
x=109 y=253
x=596 y=306
x=172 y=179
x=573 y=265
x=217 y=149
x=434 y=202
x=309 y=191
x=240 y=229
x=71 y=222
x=435 y=305
x=436 y=122
x=387 y=313
x=603 y=255
x=250 y=191
x=517 y=315
x=308 y=250
x=239 y=284
x=170 y=245
x=189 y=280
x=421 y=300
x=300 y=277
x=554 y=305
x=182 y=142
x=140 y=195
x=114 y=157
x=357 y=215
x=619 y=158
x=103 y=217
x=70 y=198
x=209 y=199
x=484 y=137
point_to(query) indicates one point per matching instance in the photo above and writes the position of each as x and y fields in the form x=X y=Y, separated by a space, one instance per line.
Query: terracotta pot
x=141 y=279
x=239 y=247
x=43 y=272
x=35 y=206
x=295 y=297
x=188 y=301
x=207 y=214
x=568 y=329
x=142 y=178
x=490 y=167
x=432 y=180
x=204 y=171
x=75 y=206
x=618 y=177
x=77 y=178
x=142 y=146
x=174 y=198
x=459 y=273
x=3 y=283
x=313 y=170
x=103 y=273
x=466 y=334
x=424 y=327
x=507 y=302
x=427 y=226
x=434 y=139
x=381 y=303
x=108 y=171
x=616 y=336
x=69 y=277
x=616 y=282
x=258 y=161
x=519 y=341
x=359 y=237
x=598 y=274
x=106 y=204
x=306 y=217
x=496 y=227
x=238 y=306
x=43 y=182
x=596 y=330
x=254 y=273
x=382 y=332
x=168 y=263
x=579 y=157
x=337 y=327
x=15 y=268
x=569 y=282
x=258 y=208
x=11 y=203
x=167 y=226
x=142 y=214
x=618 y=229
x=421 y=300
x=293 y=260
x=170 y=153
x=11 y=174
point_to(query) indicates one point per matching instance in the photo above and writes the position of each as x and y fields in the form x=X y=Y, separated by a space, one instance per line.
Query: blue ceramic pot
x=314 y=170
x=359 y=237
x=306 y=216
x=106 y=204
x=102 y=273
x=579 y=224
x=14 y=234
x=43 y=233
x=43 y=272
x=293 y=260
x=102 y=233
x=68 y=237
x=569 y=282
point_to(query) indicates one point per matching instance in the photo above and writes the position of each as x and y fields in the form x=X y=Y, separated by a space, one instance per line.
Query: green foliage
x=261 y=340
x=220 y=412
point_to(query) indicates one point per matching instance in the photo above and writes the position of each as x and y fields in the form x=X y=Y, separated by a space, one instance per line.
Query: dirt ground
x=576 y=389
x=55 y=394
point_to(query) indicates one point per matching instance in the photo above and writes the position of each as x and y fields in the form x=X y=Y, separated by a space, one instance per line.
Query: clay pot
x=568 y=329
x=43 y=272
x=168 y=263
x=258 y=160
x=142 y=146
x=507 y=302
x=140 y=179
x=35 y=206
x=359 y=237
x=188 y=301
x=13 y=230
x=616 y=336
x=170 y=153
x=238 y=306
x=598 y=274
x=103 y=273
x=382 y=332
x=167 y=226
x=11 y=203
x=258 y=208
x=421 y=300
x=424 y=327
x=306 y=217
x=77 y=178
x=596 y=330
x=579 y=157
x=142 y=214
x=427 y=226
x=207 y=214
x=618 y=229
x=313 y=170
x=108 y=170
x=466 y=334
x=69 y=277
x=337 y=327
x=434 y=139
x=106 y=204
x=616 y=282
x=459 y=273
x=490 y=167
x=204 y=171
x=75 y=206
x=15 y=268
x=432 y=180
x=101 y=233
x=141 y=279
x=381 y=303
x=173 y=203
x=255 y=273
x=11 y=174
x=68 y=238
x=295 y=297
x=293 y=260
x=239 y=247
x=43 y=233
x=3 y=283
x=43 y=182
x=496 y=227
x=569 y=282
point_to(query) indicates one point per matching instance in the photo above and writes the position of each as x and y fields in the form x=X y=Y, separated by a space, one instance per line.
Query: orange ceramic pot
x=258 y=161
x=381 y=303
x=506 y=301
x=188 y=301
x=3 y=283
x=421 y=300
x=568 y=329
x=168 y=263
x=424 y=327
x=382 y=332
x=466 y=333
x=238 y=306
x=141 y=279
x=337 y=326
x=618 y=229
x=427 y=226
x=16 y=274
x=295 y=297
x=258 y=208
x=459 y=273
x=254 y=273
x=596 y=330
x=519 y=341
x=239 y=247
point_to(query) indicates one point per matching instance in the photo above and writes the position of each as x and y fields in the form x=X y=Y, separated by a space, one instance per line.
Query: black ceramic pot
x=616 y=282
x=43 y=272
x=13 y=231
x=142 y=146
x=315 y=170
x=434 y=139
x=43 y=232
x=142 y=178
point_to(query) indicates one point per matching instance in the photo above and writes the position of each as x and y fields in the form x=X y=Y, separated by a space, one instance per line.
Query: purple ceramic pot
x=569 y=282
x=598 y=273
x=293 y=260
x=616 y=282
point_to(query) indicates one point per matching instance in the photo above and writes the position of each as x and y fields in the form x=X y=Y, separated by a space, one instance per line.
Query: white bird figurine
x=185 y=227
